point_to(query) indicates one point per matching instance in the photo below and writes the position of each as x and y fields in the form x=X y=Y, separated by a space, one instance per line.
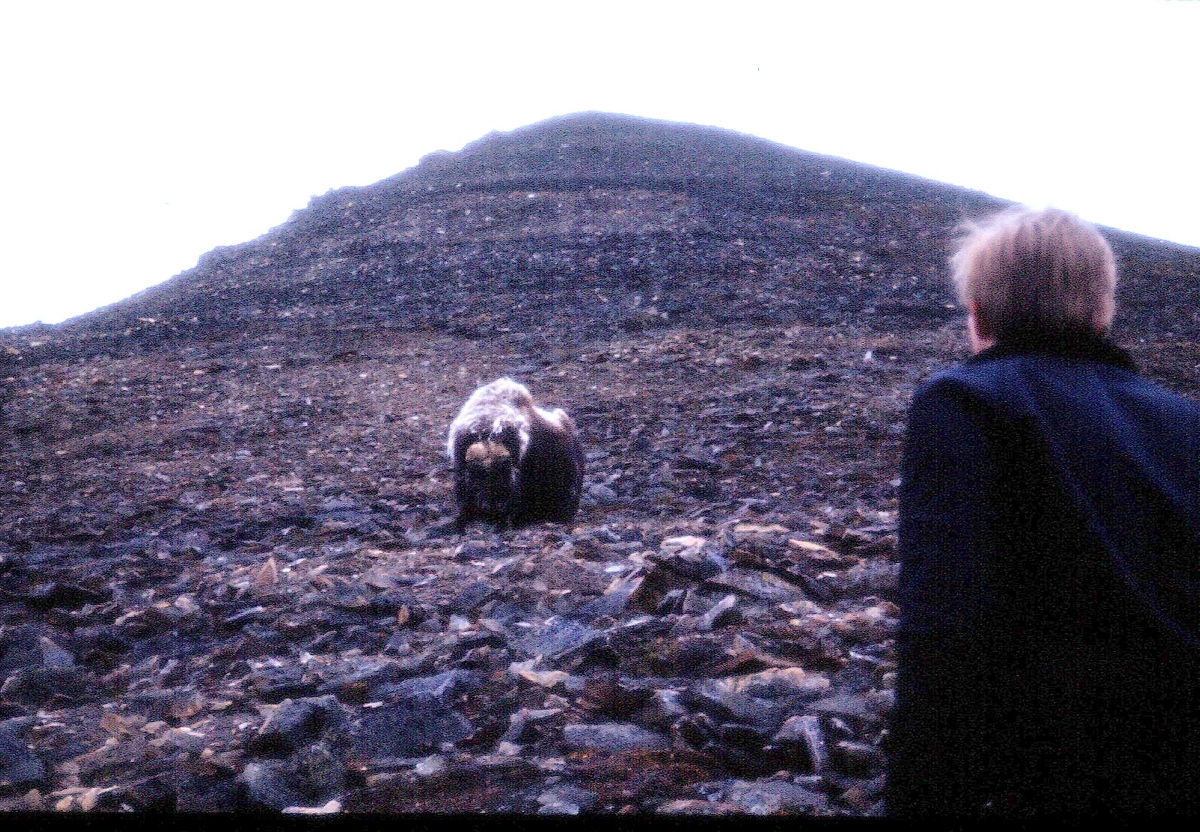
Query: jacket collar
x=1084 y=346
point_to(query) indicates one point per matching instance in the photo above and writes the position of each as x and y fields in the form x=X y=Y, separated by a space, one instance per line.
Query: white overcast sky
x=137 y=136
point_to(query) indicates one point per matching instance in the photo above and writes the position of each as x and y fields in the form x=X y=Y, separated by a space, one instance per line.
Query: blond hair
x=1036 y=272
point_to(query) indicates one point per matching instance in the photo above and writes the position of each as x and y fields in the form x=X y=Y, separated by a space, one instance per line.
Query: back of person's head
x=1036 y=272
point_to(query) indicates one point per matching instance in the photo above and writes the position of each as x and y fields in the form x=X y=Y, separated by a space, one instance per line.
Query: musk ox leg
x=462 y=521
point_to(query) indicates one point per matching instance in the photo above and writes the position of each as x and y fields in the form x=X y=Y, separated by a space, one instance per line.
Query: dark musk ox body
x=514 y=462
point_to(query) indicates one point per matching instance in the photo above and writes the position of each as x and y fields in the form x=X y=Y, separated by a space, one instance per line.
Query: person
x=1049 y=541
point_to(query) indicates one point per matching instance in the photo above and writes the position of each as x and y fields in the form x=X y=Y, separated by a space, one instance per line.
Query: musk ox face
x=488 y=479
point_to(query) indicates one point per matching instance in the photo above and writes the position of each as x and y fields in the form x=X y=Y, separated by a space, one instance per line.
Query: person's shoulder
x=948 y=396
x=962 y=378
x=1161 y=397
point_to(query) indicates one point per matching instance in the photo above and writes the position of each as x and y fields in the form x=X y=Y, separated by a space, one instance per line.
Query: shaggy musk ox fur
x=514 y=463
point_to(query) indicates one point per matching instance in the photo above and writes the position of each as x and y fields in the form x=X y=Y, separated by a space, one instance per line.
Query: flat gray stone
x=614 y=737
x=728 y=704
x=555 y=638
x=773 y=796
x=19 y=767
x=565 y=800
x=411 y=727
x=294 y=723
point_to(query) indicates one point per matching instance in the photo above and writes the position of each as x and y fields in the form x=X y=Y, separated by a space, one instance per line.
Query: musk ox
x=514 y=463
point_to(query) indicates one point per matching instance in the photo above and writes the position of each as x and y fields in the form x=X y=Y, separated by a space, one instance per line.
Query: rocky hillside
x=228 y=572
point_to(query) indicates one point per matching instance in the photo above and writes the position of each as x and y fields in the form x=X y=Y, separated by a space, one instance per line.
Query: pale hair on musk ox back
x=514 y=462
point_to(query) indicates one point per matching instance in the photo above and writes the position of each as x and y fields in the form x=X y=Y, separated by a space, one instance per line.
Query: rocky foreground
x=228 y=573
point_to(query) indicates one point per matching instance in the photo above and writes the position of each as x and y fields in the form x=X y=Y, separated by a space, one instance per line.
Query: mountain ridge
x=704 y=179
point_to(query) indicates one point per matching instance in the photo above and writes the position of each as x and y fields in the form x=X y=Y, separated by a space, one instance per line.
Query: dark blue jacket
x=1048 y=645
